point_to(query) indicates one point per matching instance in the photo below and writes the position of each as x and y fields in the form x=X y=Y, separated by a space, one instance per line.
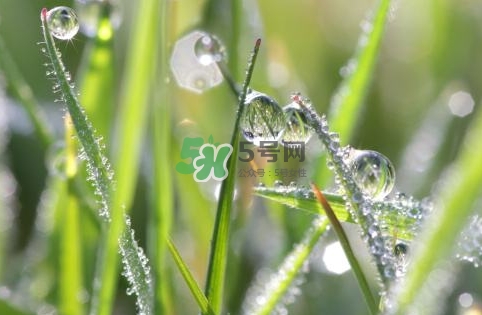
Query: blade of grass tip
x=196 y=291
x=460 y=189
x=24 y=94
x=347 y=102
x=135 y=264
x=162 y=191
x=97 y=75
x=345 y=244
x=271 y=293
x=71 y=273
x=220 y=240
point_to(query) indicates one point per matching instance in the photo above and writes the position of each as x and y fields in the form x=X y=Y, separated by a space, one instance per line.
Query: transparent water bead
x=192 y=72
x=263 y=119
x=209 y=49
x=62 y=22
x=373 y=172
x=297 y=129
x=90 y=13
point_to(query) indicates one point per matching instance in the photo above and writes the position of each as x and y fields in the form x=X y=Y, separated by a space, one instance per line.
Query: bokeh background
x=428 y=75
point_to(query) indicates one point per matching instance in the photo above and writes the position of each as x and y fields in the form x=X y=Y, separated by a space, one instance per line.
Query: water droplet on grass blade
x=209 y=49
x=263 y=119
x=62 y=22
x=372 y=172
x=297 y=129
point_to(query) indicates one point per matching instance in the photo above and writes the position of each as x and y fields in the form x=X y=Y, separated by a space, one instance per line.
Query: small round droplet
x=62 y=22
x=209 y=49
x=263 y=119
x=297 y=129
x=400 y=250
x=91 y=13
x=372 y=172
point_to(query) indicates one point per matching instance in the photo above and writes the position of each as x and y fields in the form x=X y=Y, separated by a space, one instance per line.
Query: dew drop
x=62 y=22
x=209 y=49
x=372 y=172
x=297 y=129
x=263 y=119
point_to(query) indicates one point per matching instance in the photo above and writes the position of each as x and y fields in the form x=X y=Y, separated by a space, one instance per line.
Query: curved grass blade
x=272 y=292
x=220 y=240
x=400 y=220
x=196 y=291
x=345 y=243
x=347 y=102
x=135 y=263
x=24 y=94
x=461 y=188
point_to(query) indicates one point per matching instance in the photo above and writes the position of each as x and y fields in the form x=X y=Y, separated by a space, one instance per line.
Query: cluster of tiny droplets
x=360 y=207
x=136 y=269
x=470 y=242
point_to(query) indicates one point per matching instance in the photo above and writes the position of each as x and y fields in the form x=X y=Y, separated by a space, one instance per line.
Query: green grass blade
x=136 y=269
x=71 y=272
x=347 y=101
x=272 y=292
x=162 y=191
x=220 y=241
x=24 y=94
x=345 y=243
x=397 y=218
x=461 y=188
x=97 y=76
x=196 y=291
x=139 y=79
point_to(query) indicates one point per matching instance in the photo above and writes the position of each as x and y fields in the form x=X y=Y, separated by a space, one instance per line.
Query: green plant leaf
x=272 y=292
x=455 y=202
x=398 y=221
x=196 y=291
x=220 y=240
x=345 y=244
x=347 y=102
x=119 y=233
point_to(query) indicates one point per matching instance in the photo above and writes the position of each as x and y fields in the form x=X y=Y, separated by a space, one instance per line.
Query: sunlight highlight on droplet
x=466 y=299
x=335 y=259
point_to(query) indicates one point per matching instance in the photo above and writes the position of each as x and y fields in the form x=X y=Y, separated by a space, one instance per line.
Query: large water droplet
x=90 y=13
x=192 y=61
x=209 y=49
x=263 y=119
x=372 y=172
x=62 y=22
x=297 y=129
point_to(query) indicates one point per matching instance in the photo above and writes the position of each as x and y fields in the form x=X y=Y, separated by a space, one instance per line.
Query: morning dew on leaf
x=297 y=127
x=62 y=22
x=209 y=49
x=262 y=119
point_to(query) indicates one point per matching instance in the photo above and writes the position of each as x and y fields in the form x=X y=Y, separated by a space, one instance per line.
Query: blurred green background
x=430 y=52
